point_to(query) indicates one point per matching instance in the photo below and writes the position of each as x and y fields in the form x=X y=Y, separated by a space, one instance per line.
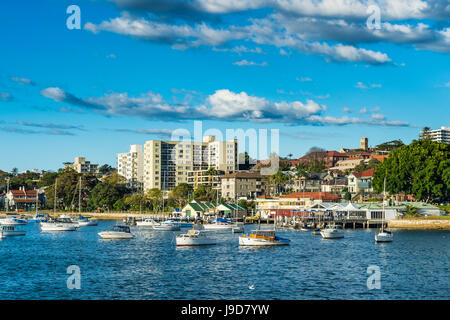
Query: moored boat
x=13 y=221
x=332 y=232
x=384 y=235
x=146 y=223
x=59 y=224
x=10 y=231
x=117 y=232
x=166 y=227
x=262 y=238
x=238 y=228
x=194 y=238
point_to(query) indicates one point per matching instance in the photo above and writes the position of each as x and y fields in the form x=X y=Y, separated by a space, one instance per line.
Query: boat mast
x=384 y=212
x=36 y=202
x=7 y=191
x=54 y=201
x=79 y=200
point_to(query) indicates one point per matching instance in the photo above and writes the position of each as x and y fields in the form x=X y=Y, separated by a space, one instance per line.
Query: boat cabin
x=121 y=229
x=263 y=234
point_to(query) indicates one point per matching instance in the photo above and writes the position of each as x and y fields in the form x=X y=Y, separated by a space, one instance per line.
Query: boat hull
x=246 y=241
x=13 y=233
x=214 y=226
x=7 y=222
x=383 y=237
x=185 y=241
x=331 y=235
x=93 y=222
x=47 y=226
x=115 y=235
x=166 y=228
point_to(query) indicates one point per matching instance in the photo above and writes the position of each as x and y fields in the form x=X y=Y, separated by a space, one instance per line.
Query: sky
x=324 y=73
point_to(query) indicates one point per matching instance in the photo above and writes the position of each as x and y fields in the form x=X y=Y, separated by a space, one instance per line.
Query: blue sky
x=137 y=70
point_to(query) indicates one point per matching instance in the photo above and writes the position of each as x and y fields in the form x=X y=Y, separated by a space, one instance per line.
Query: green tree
x=154 y=197
x=181 y=193
x=421 y=168
x=390 y=145
x=47 y=179
x=205 y=192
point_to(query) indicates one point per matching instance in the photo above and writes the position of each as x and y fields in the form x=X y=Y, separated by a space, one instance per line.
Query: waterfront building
x=23 y=200
x=168 y=163
x=80 y=165
x=241 y=184
x=203 y=209
x=438 y=135
x=360 y=182
x=298 y=202
x=131 y=166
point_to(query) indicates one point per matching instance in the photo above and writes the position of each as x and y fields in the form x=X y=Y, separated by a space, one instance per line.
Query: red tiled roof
x=2 y=173
x=367 y=173
x=312 y=195
x=265 y=197
x=21 y=193
x=26 y=200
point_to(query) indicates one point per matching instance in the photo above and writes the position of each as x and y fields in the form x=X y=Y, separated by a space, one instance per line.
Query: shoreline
x=420 y=224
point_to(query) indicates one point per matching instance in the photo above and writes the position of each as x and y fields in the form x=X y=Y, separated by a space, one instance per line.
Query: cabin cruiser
x=219 y=224
x=10 y=231
x=117 y=232
x=332 y=232
x=13 y=221
x=166 y=227
x=146 y=223
x=262 y=238
x=194 y=238
x=63 y=223
x=179 y=223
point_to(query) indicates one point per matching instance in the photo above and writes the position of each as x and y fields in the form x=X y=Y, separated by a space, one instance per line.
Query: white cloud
x=249 y=63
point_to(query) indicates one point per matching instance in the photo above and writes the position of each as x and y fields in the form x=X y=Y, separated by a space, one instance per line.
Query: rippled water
x=414 y=266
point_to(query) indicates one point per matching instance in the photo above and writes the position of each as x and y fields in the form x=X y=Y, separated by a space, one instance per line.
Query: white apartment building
x=131 y=166
x=439 y=135
x=169 y=163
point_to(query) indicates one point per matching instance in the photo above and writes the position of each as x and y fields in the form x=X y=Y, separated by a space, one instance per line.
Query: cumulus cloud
x=224 y=105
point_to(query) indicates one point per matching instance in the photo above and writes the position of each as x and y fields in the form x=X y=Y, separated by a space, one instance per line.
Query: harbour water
x=414 y=266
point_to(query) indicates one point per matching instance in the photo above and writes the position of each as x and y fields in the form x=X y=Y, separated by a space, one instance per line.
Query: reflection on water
x=150 y=266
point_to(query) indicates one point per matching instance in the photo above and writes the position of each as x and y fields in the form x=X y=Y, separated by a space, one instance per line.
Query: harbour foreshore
x=420 y=224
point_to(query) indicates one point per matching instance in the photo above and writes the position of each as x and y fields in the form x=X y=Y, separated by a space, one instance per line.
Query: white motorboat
x=167 y=227
x=179 y=223
x=87 y=222
x=10 y=231
x=238 y=228
x=13 y=221
x=332 y=232
x=117 y=232
x=384 y=235
x=262 y=238
x=59 y=224
x=195 y=238
x=219 y=224
x=147 y=223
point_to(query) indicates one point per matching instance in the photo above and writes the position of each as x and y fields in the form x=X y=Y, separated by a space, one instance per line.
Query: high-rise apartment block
x=131 y=166
x=169 y=163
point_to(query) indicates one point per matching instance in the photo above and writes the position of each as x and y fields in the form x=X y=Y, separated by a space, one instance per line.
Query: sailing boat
x=63 y=223
x=38 y=217
x=384 y=235
x=84 y=221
